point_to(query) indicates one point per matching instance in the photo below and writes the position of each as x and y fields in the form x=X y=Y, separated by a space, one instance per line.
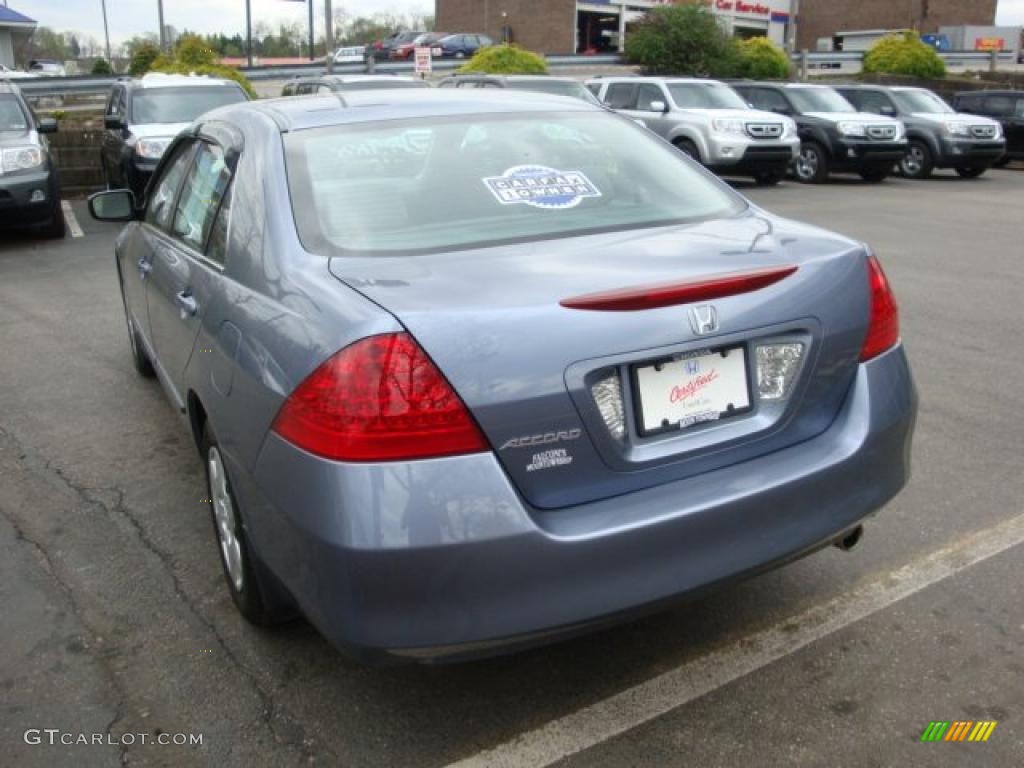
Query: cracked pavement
x=116 y=619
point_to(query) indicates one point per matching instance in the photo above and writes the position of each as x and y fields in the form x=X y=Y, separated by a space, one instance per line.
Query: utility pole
x=311 y=39
x=106 y=32
x=794 y=15
x=248 y=32
x=163 y=38
x=329 y=35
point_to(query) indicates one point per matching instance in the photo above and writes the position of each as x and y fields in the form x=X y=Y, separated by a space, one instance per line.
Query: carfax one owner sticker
x=541 y=187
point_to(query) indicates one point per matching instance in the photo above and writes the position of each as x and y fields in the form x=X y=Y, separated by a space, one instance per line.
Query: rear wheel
x=811 y=167
x=874 y=175
x=972 y=172
x=688 y=148
x=768 y=178
x=242 y=571
x=918 y=162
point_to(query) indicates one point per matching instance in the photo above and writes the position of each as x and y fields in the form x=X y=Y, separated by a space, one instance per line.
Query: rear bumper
x=16 y=206
x=442 y=559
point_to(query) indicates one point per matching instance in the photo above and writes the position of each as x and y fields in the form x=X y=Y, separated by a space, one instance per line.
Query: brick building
x=567 y=26
x=823 y=18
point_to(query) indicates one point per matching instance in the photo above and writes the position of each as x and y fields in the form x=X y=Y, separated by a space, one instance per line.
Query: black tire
x=142 y=364
x=812 y=165
x=253 y=590
x=874 y=175
x=688 y=148
x=768 y=178
x=971 y=172
x=55 y=228
x=919 y=162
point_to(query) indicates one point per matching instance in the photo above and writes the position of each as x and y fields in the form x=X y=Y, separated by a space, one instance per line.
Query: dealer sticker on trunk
x=541 y=187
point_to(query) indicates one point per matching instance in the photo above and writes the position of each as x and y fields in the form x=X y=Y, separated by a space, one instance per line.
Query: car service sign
x=541 y=187
x=424 y=60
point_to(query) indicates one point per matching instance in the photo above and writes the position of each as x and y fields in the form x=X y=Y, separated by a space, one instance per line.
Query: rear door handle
x=144 y=268
x=186 y=303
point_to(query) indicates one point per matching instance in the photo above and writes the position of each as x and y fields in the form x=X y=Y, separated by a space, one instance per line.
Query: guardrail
x=59 y=86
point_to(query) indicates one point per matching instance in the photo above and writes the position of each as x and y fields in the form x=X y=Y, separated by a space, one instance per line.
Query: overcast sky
x=132 y=17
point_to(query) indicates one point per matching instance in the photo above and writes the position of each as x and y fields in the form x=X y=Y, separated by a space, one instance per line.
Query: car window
x=370 y=188
x=1020 y=108
x=304 y=89
x=621 y=96
x=161 y=202
x=968 y=102
x=999 y=105
x=871 y=101
x=12 y=118
x=181 y=104
x=207 y=179
x=289 y=90
x=647 y=94
x=594 y=88
x=485 y=41
x=705 y=96
x=113 y=102
x=767 y=99
x=216 y=248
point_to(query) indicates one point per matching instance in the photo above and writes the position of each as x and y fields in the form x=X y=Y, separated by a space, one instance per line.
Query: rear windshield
x=705 y=96
x=417 y=186
x=181 y=105
x=12 y=118
x=556 y=87
x=819 y=100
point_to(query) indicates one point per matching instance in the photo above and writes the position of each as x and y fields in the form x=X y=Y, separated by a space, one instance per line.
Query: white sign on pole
x=424 y=60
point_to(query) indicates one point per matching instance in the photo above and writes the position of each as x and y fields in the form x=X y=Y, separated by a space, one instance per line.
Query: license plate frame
x=665 y=367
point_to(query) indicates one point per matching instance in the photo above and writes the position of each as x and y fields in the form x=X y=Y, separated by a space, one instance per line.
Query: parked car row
x=745 y=127
x=400 y=45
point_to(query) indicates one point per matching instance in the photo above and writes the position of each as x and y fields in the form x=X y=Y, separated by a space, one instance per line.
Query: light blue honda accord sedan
x=471 y=371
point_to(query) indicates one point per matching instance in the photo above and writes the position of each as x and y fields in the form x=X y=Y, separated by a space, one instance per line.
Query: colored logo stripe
x=958 y=730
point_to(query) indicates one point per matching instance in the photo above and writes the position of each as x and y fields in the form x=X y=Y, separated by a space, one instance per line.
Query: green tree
x=192 y=55
x=506 y=60
x=904 y=54
x=142 y=58
x=682 y=40
x=193 y=51
x=761 y=59
x=101 y=67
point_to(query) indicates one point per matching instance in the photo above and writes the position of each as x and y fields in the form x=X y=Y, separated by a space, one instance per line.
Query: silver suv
x=707 y=120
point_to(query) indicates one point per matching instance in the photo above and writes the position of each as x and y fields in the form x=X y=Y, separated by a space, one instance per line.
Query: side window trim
x=189 y=250
x=166 y=230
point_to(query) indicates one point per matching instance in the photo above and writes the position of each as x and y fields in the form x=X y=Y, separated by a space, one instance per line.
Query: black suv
x=143 y=116
x=29 y=188
x=938 y=136
x=834 y=136
x=1005 y=106
x=559 y=86
x=303 y=86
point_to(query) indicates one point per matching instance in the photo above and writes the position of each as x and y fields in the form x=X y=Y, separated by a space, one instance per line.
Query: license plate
x=704 y=386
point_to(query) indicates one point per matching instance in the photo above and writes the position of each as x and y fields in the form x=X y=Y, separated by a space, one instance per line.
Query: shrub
x=192 y=51
x=506 y=60
x=682 y=40
x=142 y=59
x=213 y=70
x=101 y=67
x=904 y=54
x=761 y=59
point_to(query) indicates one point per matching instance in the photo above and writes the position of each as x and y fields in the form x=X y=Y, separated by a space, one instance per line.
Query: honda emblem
x=703 y=319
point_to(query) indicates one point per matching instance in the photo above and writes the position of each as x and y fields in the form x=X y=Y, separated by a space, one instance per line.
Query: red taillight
x=380 y=399
x=884 y=327
x=667 y=294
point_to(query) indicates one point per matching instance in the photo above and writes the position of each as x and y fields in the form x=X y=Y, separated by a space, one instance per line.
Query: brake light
x=667 y=294
x=884 y=325
x=379 y=399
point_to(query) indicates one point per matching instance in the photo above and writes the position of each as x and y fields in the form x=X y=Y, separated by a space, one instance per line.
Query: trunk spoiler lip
x=666 y=294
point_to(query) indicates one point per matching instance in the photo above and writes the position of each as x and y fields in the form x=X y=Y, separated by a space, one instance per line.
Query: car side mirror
x=659 y=106
x=113 y=205
x=113 y=123
x=47 y=125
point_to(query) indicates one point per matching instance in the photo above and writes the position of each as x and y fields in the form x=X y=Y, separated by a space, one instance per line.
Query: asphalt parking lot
x=116 y=621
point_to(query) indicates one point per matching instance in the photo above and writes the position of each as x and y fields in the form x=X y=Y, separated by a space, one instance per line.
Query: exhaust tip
x=850 y=539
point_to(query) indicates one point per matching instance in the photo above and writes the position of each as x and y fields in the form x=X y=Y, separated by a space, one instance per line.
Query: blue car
x=462 y=46
x=581 y=379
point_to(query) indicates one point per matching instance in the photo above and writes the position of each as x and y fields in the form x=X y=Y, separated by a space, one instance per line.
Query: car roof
x=356 y=78
x=993 y=92
x=512 y=78
x=165 y=80
x=353 y=107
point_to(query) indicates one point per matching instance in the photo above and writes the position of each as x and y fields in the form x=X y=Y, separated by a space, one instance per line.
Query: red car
x=405 y=50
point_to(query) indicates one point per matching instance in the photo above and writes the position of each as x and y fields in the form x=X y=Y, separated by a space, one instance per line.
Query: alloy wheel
x=227 y=522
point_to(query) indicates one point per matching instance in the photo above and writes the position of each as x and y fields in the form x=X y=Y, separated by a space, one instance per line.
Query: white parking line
x=644 y=702
x=71 y=220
